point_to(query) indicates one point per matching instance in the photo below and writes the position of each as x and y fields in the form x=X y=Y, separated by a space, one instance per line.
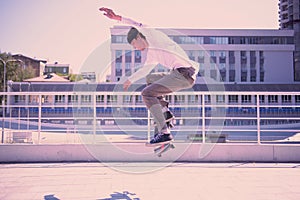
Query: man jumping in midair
x=160 y=49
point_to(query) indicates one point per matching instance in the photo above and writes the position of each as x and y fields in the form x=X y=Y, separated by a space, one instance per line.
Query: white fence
x=69 y=117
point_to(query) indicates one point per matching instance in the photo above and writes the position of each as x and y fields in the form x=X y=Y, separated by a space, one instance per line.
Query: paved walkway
x=112 y=181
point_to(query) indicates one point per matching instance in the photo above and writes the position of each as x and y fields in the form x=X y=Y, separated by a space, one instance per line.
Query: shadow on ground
x=122 y=196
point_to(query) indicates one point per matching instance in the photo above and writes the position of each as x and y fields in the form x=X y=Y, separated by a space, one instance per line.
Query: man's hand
x=126 y=84
x=110 y=14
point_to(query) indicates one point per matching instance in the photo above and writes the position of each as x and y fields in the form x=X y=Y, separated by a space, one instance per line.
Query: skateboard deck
x=161 y=148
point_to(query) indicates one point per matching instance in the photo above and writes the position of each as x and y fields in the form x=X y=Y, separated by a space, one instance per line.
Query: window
x=231 y=75
x=118 y=68
x=253 y=75
x=252 y=59
x=272 y=98
x=207 y=98
x=20 y=98
x=191 y=54
x=127 y=98
x=59 y=98
x=261 y=66
x=220 y=98
x=137 y=56
x=139 y=99
x=86 y=98
x=127 y=69
x=297 y=98
x=127 y=66
x=136 y=67
x=109 y=122
x=244 y=76
x=213 y=74
x=198 y=39
x=213 y=58
x=119 y=39
x=168 y=98
x=233 y=98
x=188 y=39
x=72 y=98
x=100 y=98
x=112 y=98
x=127 y=56
x=246 y=98
x=222 y=68
x=222 y=40
x=118 y=56
x=243 y=57
x=201 y=70
x=179 y=98
x=222 y=57
x=261 y=99
x=200 y=57
x=231 y=58
x=286 y=98
x=193 y=98
x=212 y=40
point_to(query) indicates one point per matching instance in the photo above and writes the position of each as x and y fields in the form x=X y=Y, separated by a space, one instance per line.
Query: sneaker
x=161 y=138
x=165 y=130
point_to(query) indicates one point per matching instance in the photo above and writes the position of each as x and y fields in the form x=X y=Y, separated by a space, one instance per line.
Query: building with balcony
x=289 y=19
x=37 y=65
x=61 y=69
x=226 y=56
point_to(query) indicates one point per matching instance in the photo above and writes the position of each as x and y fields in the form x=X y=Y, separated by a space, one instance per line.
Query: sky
x=69 y=31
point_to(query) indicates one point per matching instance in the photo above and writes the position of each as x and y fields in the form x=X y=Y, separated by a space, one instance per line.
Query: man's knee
x=153 y=77
x=147 y=92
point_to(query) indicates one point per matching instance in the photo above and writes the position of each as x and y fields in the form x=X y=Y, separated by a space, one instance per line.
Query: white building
x=237 y=56
x=289 y=18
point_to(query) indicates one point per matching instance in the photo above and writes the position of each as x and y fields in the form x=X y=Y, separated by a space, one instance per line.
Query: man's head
x=137 y=39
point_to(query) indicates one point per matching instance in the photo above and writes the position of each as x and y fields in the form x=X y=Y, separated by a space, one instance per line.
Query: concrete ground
x=146 y=180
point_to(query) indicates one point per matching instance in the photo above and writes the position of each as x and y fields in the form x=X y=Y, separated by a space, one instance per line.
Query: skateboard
x=161 y=148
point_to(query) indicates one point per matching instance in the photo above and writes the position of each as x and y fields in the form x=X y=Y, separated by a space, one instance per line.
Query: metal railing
x=202 y=118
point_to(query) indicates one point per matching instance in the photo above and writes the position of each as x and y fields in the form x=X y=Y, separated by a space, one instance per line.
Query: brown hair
x=132 y=34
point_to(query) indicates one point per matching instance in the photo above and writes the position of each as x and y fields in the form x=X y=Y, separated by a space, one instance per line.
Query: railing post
x=40 y=119
x=149 y=125
x=94 y=117
x=3 y=123
x=203 y=118
x=258 y=118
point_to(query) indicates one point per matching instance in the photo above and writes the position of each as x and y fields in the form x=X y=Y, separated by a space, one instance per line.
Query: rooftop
x=47 y=78
x=79 y=86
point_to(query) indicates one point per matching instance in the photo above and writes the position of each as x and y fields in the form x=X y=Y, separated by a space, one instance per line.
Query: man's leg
x=154 y=77
x=166 y=85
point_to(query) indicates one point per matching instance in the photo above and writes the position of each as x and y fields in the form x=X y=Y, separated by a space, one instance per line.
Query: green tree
x=75 y=77
x=14 y=70
x=4 y=58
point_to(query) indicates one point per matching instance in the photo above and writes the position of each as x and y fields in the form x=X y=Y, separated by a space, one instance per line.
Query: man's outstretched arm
x=110 y=14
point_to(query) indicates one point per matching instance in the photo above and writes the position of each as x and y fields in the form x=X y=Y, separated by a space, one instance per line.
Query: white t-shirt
x=162 y=50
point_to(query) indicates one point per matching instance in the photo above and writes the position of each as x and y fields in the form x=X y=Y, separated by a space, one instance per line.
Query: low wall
x=137 y=152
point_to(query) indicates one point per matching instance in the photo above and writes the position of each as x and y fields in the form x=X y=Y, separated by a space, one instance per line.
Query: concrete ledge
x=137 y=152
